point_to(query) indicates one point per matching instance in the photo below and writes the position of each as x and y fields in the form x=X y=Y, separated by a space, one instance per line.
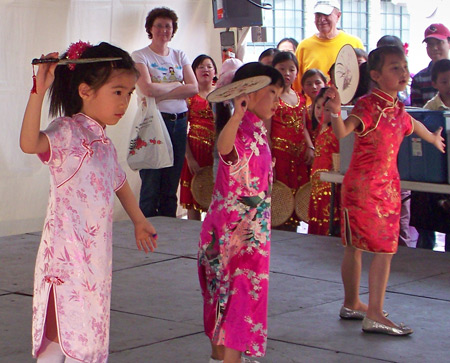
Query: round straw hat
x=202 y=186
x=302 y=201
x=282 y=203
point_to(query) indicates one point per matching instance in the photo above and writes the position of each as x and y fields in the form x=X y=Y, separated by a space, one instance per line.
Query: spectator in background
x=320 y=50
x=266 y=57
x=362 y=55
x=287 y=45
x=437 y=39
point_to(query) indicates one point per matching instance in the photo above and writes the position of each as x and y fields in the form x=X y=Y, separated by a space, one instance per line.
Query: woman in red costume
x=200 y=138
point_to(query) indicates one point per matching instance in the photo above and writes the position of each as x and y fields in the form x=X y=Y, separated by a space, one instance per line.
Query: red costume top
x=319 y=203
x=201 y=142
x=371 y=188
x=288 y=144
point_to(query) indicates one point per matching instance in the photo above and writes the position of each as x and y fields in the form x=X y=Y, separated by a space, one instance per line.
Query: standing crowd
x=287 y=130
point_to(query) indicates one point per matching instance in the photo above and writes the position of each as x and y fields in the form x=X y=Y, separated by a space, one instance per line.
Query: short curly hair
x=161 y=12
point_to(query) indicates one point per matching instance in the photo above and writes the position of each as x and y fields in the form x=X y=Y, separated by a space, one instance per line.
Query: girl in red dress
x=371 y=188
x=200 y=138
x=326 y=145
x=313 y=80
x=292 y=147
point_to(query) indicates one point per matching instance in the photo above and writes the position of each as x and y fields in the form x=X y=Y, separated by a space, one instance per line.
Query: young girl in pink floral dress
x=72 y=281
x=371 y=188
x=234 y=243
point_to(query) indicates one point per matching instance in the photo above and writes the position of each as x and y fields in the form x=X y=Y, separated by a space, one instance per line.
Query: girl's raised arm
x=32 y=140
x=225 y=141
x=434 y=138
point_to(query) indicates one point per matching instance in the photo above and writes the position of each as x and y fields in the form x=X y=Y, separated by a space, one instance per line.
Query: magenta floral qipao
x=371 y=188
x=75 y=254
x=235 y=244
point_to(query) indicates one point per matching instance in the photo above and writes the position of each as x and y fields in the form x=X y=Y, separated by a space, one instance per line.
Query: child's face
x=312 y=85
x=205 y=72
x=267 y=60
x=108 y=104
x=263 y=103
x=442 y=84
x=437 y=49
x=322 y=111
x=361 y=60
x=394 y=75
x=288 y=70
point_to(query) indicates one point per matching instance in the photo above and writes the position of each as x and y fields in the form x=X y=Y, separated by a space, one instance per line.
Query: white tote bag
x=150 y=145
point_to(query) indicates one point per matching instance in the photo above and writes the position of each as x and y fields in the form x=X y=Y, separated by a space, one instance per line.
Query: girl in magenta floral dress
x=72 y=281
x=371 y=188
x=234 y=243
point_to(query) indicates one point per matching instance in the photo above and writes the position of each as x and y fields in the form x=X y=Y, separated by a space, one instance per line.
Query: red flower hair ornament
x=76 y=50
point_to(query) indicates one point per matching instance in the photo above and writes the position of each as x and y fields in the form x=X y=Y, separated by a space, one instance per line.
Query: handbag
x=150 y=145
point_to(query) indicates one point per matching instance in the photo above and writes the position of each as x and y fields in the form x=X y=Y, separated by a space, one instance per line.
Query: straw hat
x=302 y=202
x=282 y=203
x=202 y=186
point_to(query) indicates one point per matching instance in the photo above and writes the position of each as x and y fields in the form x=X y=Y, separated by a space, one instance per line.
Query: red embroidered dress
x=371 y=188
x=289 y=146
x=201 y=142
x=319 y=203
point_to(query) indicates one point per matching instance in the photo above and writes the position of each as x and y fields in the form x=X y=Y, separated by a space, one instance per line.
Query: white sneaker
x=211 y=360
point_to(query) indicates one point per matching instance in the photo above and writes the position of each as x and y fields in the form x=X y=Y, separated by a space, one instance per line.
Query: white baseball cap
x=327 y=6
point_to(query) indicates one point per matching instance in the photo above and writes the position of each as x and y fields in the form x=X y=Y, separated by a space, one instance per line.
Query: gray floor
x=156 y=304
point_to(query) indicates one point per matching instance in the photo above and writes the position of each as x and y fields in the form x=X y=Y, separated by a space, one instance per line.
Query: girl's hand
x=146 y=236
x=193 y=165
x=240 y=106
x=438 y=140
x=334 y=99
x=46 y=73
x=309 y=156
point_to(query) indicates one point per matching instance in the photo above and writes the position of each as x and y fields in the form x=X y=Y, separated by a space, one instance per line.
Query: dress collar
x=90 y=124
x=385 y=96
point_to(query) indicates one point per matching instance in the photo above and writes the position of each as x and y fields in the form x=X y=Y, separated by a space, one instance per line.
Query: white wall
x=29 y=28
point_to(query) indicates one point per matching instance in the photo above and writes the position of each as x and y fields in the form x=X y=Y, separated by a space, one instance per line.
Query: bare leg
x=193 y=214
x=217 y=351
x=378 y=279
x=51 y=328
x=232 y=356
x=351 y=276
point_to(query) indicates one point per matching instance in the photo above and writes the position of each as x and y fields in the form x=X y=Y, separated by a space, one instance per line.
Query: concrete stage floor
x=156 y=308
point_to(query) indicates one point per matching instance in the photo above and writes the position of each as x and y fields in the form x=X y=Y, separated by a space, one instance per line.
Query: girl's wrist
x=335 y=115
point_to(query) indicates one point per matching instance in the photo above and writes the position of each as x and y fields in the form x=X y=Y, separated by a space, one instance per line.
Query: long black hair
x=252 y=69
x=314 y=121
x=64 y=97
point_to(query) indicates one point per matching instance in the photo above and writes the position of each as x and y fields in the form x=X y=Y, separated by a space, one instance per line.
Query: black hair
x=162 y=12
x=64 y=97
x=197 y=61
x=361 y=53
x=268 y=52
x=283 y=57
x=252 y=69
x=390 y=40
x=440 y=66
x=314 y=121
x=378 y=55
x=312 y=72
x=290 y=40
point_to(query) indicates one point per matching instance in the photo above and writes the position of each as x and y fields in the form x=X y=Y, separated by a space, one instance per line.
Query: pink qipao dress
x=75 y=254
x=235 y=244
x=371 y=188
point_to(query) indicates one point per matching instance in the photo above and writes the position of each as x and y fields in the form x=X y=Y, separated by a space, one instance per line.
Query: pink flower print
x=88 y=286
x=97 y=183
x=48 y=251
x=64 y=257
x=82 y=195
x=74 y=296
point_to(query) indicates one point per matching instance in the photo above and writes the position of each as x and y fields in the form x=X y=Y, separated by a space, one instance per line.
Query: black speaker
x=236 y=13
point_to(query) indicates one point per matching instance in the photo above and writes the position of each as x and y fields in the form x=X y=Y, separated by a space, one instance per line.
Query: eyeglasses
x=208 y=67
x=161 y=27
